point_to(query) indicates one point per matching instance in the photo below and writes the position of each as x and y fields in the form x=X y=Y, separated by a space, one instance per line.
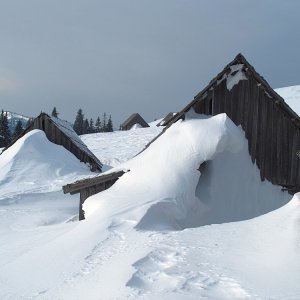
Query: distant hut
x=61 y=132
x=166 y=119
x=271 y=127
x=134 y=119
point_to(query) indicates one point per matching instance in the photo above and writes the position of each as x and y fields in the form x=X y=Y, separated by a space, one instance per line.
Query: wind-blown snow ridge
x=166 y=182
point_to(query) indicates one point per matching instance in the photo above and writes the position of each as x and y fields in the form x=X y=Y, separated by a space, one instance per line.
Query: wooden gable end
x=271 y=127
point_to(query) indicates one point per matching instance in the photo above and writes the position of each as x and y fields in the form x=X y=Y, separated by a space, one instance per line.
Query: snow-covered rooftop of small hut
x=67 y=128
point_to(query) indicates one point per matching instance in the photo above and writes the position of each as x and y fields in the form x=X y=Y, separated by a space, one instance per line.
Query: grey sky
x=149 y=57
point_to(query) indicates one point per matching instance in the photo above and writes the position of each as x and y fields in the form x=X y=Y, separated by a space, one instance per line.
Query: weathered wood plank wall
x=272 y=135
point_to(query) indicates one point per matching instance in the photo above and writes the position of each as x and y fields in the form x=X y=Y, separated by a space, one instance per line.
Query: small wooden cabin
x=133 y=120
x=271 y=127
x=61 y=132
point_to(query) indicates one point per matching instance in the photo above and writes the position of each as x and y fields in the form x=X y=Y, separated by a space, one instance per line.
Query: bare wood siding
x=273 y=137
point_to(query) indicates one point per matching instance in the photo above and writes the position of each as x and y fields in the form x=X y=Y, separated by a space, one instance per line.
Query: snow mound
x=34 y=164
x=164 y=189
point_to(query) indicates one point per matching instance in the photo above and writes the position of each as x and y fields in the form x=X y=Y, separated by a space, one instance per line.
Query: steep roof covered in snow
x=271 y=127
x=132 y=120
x=62 y=133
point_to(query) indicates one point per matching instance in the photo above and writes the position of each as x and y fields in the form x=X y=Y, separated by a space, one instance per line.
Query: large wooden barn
x=271 y=127
x=61 y=132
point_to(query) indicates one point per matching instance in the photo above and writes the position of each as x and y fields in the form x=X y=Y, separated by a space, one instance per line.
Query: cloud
x=7 y=83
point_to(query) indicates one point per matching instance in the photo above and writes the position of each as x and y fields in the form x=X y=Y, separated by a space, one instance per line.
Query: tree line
x=5 y=135
x=81 y=126
x=84 y=126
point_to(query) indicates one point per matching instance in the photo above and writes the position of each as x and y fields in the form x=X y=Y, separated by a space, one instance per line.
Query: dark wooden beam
x=75 y=187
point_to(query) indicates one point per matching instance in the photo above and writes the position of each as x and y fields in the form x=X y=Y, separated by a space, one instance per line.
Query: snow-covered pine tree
x=78 y=124
x=109 y=126
x=18 y=129
x=5 y=136
x=54 y=112
x=98 y=125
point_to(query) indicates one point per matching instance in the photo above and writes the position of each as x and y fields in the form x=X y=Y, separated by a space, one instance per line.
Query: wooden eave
x=74 y=188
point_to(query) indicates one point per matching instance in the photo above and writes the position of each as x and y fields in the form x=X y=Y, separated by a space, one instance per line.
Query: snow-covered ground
x=113 y=148
x=165 y=230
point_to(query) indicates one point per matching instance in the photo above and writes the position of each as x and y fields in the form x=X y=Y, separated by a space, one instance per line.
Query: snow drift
x=164 y=189
x=163 y=193
x=34 y=164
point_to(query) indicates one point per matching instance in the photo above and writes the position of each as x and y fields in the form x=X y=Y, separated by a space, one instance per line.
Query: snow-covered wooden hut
x=61 y=132
x=271 y=127
x=134 y=119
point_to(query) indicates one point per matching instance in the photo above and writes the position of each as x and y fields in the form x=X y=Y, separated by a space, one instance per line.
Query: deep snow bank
x=34 y=164
x=164 y=189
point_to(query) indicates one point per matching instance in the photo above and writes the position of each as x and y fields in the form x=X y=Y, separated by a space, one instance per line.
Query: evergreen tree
x=98 y=125
x=91 y=128
x=86 y=126
x=109 y=126
x=104 y=123
x=78 y=124
x=54 y=113
x=18 y=130
x=5 y=137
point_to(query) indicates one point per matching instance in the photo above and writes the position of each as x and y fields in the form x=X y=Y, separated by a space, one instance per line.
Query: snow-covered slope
x=32 y=205
x=113 y=148
x=143 y=238
x=165 y=230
